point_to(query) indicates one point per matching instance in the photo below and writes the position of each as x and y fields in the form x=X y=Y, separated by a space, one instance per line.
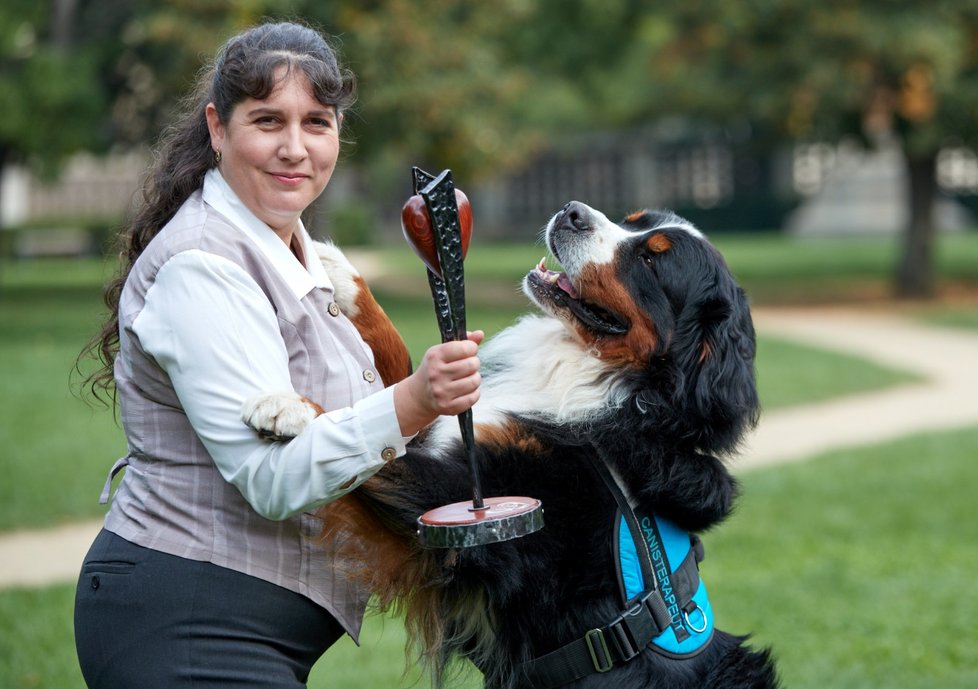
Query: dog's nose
x=578 y=216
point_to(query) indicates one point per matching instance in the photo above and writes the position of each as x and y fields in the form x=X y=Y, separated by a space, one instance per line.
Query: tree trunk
x=915 y=275
x=4 y=239
x=63 y=24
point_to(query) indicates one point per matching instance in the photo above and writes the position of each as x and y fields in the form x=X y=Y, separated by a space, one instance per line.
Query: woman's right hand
x=446 y=383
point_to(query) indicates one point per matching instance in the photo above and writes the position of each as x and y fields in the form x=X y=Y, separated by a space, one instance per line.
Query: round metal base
x=461 y=525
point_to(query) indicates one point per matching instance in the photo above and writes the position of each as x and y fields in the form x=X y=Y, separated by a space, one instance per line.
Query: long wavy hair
x=247 y=66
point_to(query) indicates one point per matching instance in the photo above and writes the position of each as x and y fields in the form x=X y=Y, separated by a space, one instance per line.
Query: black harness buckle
x=624 y=635
x=599 y=648
x=635 y=627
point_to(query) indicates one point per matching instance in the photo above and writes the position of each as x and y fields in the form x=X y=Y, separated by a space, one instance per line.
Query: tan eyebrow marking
x=659 y=243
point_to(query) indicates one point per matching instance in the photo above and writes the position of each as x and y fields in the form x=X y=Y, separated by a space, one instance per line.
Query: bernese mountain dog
x=643 y=357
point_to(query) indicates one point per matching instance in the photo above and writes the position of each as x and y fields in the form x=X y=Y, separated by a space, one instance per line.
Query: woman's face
x=277 y=154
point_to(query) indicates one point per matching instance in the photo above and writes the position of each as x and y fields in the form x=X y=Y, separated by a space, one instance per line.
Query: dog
x=641 y=357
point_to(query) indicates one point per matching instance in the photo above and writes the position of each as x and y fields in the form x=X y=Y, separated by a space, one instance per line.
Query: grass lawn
x=857 y=568
x=775 y=269
x=964 y=316
x=55 y=447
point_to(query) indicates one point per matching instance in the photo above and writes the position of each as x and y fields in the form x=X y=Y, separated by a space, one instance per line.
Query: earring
x=217 y=157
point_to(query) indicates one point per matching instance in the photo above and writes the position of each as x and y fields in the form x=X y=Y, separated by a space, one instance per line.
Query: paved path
x=945 y=359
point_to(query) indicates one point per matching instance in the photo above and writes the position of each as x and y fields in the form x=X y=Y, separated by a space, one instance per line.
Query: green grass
x=379 y=662
x=954 y=316
x=55 y=447
x=857 y=568
x=775 y=269
x=789 y=373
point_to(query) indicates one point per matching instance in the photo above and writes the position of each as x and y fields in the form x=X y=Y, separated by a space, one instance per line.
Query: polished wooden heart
x=418 y=232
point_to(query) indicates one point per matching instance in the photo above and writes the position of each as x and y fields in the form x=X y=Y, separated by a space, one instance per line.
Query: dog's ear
x=716 y=362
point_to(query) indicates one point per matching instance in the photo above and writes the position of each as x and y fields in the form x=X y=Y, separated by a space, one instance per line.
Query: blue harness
x=674 y=555
x=666 y=608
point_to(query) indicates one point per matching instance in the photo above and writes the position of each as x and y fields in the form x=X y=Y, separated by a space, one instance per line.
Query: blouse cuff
x=381 y=429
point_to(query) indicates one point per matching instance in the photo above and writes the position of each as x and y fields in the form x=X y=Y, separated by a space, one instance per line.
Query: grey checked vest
x=172 y=497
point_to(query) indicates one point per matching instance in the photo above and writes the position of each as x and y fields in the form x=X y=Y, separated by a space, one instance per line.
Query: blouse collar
x=218 y=194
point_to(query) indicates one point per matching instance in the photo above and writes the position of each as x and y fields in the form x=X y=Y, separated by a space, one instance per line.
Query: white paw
x=342 y=274
x=278 y=416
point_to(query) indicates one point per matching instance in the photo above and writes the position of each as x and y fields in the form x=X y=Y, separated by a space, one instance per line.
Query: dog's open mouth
x=556 y=290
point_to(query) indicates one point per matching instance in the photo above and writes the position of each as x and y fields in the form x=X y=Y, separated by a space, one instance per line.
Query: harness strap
x=686 y=578
x=644 y=557
x=618 y=642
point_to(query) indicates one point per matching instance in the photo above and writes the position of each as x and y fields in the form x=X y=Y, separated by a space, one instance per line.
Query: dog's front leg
x=696 y=491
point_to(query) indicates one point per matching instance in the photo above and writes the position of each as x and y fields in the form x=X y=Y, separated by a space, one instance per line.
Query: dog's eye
x=647 y=259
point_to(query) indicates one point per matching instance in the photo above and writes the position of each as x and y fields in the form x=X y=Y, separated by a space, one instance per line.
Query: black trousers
x=149 y=620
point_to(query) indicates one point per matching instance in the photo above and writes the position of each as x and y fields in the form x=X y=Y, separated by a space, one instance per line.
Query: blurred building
x=73 y=214
x=721 y=180
x=849 y=190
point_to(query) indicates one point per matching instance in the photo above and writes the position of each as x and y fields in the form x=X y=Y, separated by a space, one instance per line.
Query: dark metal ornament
x=481 y=521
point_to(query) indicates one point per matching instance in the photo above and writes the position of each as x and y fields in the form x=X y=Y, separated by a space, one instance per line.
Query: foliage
x=95 y=74
x=820 y=70
x=475 y=86
x=435 y=87
x=875 y=70
x=43 y=75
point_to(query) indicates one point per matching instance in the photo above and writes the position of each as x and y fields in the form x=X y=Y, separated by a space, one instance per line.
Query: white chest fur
x=537 y=367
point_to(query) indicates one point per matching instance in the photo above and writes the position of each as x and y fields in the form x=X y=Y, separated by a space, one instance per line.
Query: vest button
x=388 y=454
x=369 y=376
x=334 y=309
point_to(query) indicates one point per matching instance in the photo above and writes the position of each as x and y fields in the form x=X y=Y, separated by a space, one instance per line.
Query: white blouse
x=214 y=332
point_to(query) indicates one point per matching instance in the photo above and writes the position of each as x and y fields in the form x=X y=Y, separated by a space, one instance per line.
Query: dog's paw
x=279 y=416
x=342 y=274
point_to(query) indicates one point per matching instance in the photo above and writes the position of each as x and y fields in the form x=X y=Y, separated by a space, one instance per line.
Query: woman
x=207 y=571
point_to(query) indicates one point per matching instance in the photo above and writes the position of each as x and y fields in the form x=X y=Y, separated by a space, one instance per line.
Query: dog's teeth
x=545 y=274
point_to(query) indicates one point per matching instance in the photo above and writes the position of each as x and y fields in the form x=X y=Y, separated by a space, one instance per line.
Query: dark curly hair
x=247 y=66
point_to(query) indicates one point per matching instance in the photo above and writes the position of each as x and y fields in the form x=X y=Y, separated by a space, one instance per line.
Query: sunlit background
x=828 y=149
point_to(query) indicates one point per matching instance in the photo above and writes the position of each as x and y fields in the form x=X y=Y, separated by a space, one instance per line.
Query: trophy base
x=462 y=525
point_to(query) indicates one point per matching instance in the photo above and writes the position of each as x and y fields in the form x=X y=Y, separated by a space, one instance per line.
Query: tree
x=99 y=74
x=823 y=71
x=434 y=87
x=49 y=106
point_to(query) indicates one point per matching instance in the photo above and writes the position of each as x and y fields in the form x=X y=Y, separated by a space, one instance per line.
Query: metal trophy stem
x=482 y=520
x=448 y=291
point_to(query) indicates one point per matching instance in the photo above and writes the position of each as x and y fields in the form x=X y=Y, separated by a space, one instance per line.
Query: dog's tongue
x=565 y=284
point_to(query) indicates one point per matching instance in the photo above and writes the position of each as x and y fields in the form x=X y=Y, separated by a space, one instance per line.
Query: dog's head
x=653 y=295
